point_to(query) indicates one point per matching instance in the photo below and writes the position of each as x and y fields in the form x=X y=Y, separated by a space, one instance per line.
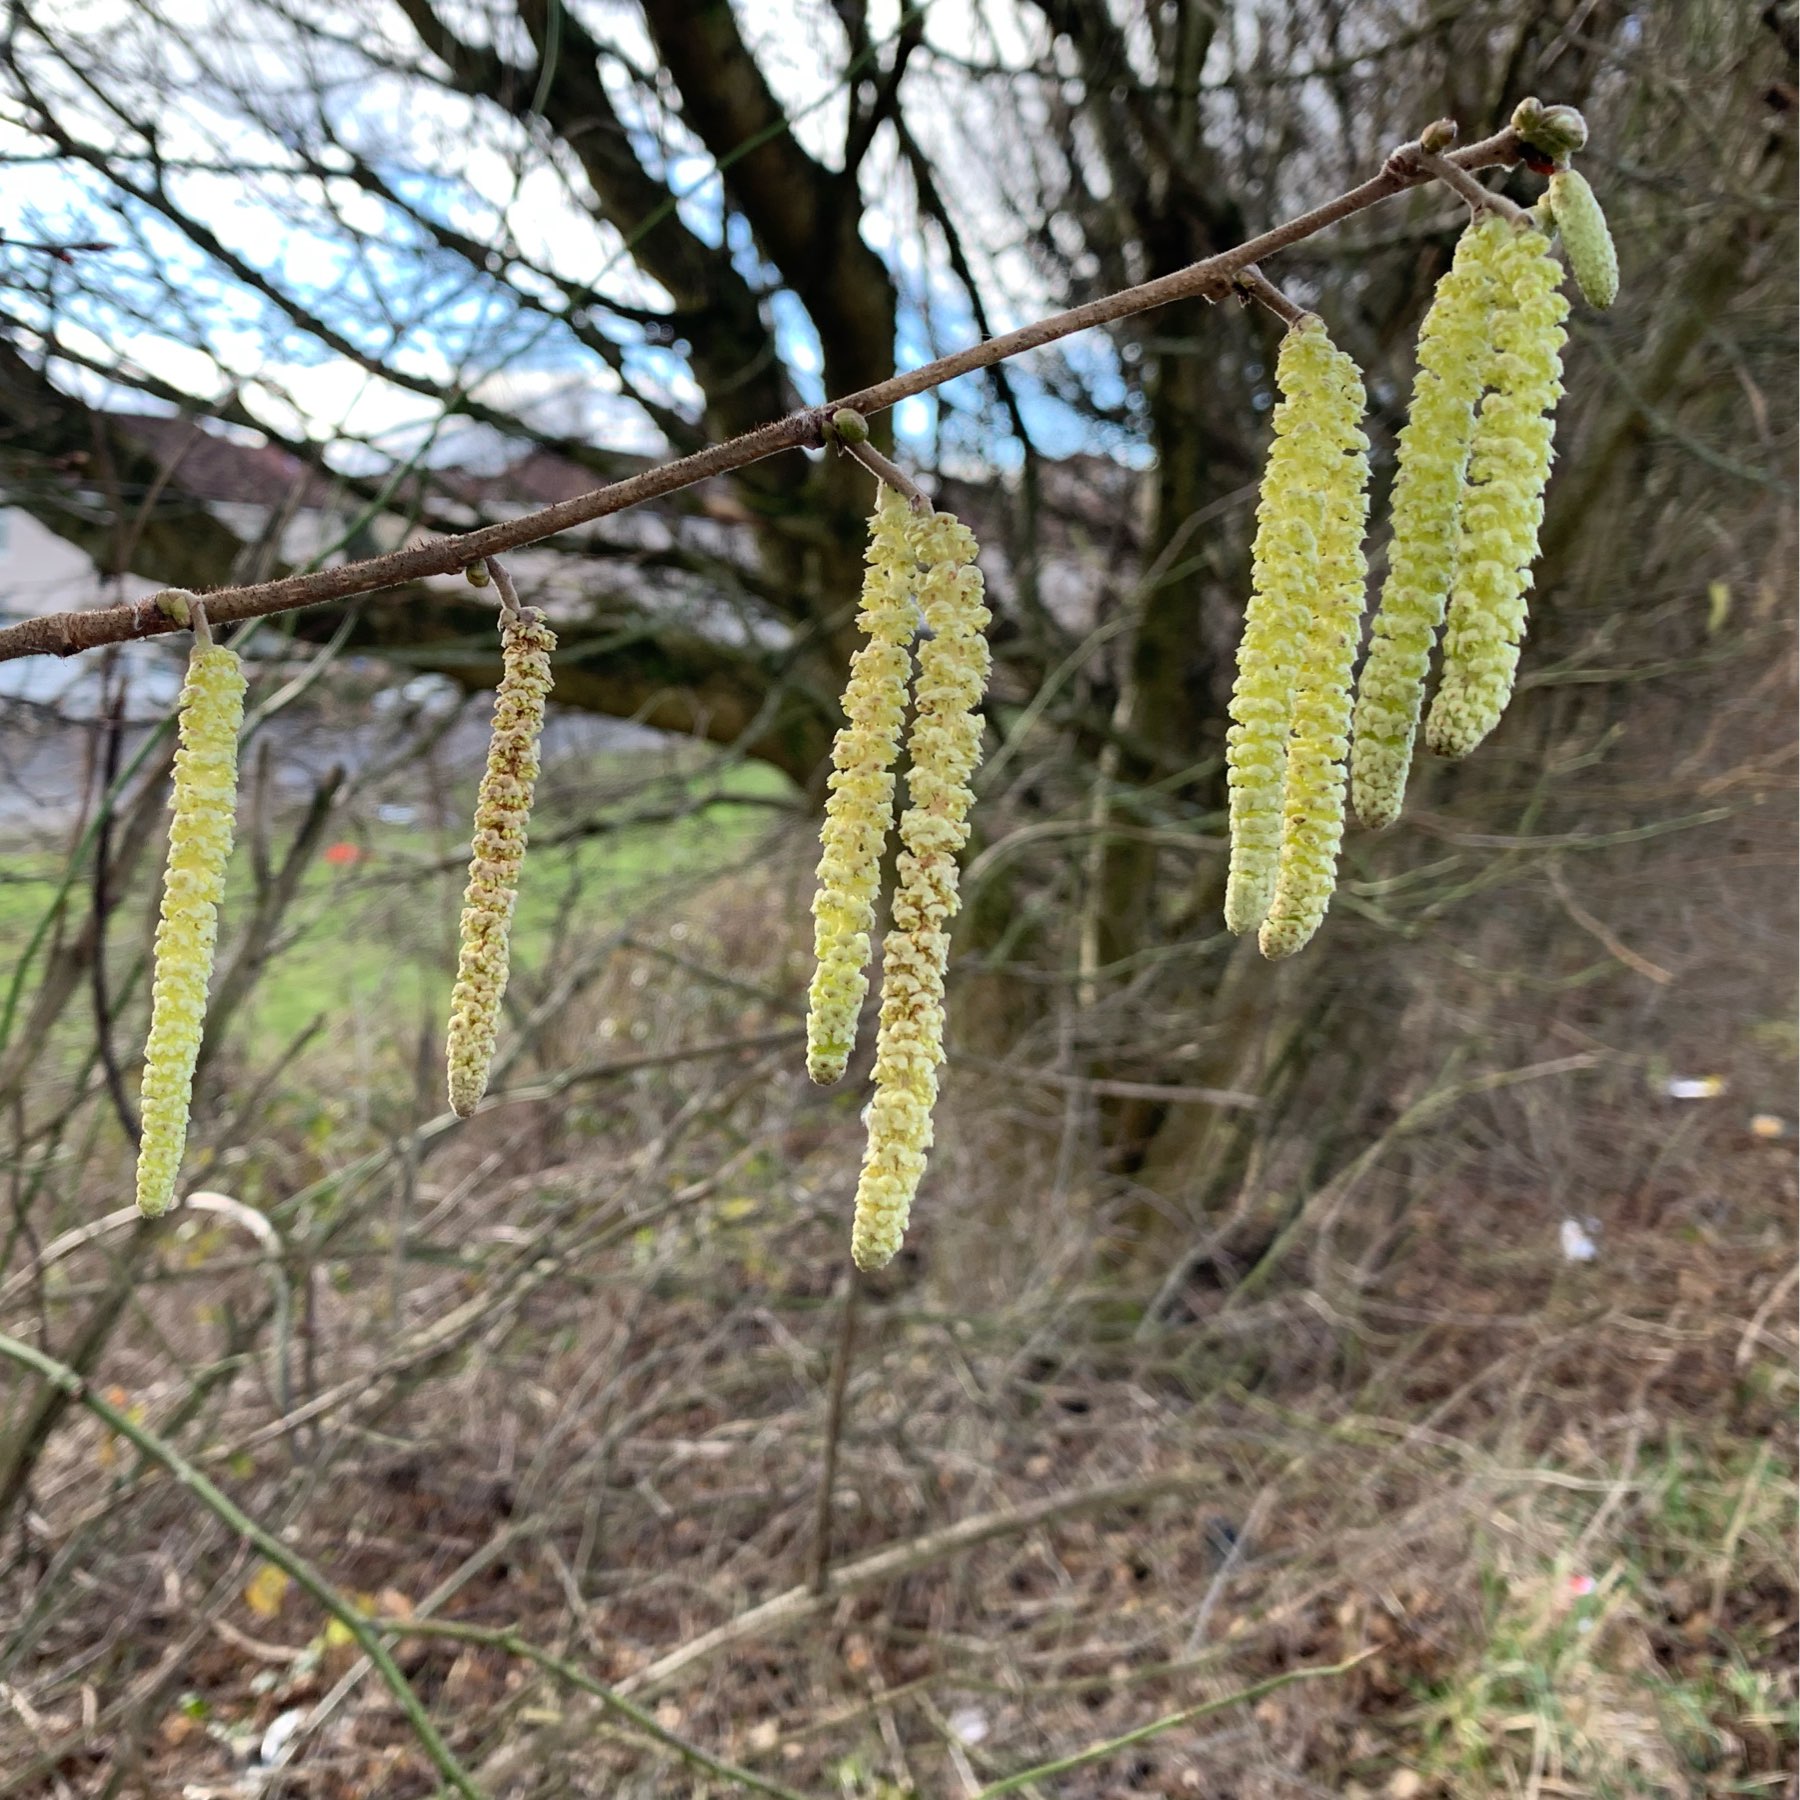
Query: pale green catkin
x=1504 y=506
x=204 y=803
x=502 y=820
x=860 y=810
x=1588 y=244
x=1312 y=821
x=1283 y=579
x=1454 y=356
x=944 y=746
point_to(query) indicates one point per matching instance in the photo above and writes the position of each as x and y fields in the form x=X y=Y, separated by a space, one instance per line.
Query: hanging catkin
x=1283 y=580
x=204 y=803
x=860 y=810
x=944 y=746
x=1312 y=817
x=502 y=817
x=1593 y=259
x=1504 y=506
x=1454 y=357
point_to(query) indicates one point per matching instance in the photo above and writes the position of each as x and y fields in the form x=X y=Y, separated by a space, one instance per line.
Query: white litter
x=968 y=1724
x=1577 y=1246
x=1694 y=1087
x=280 y=1733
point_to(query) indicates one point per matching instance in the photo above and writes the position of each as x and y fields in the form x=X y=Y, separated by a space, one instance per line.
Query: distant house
x=674 y=557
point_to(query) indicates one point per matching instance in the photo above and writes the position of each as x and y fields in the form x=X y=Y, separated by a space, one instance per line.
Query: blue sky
x=160 y=305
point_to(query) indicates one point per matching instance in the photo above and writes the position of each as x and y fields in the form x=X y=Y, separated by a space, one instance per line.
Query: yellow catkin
x=1283 y=579
x=1454 y=357
x=1505 y=502
x=502 y=819
x=1312 y=818
x=1588 y=244
x=860 y=810
x=205 y=812
x=944 y=746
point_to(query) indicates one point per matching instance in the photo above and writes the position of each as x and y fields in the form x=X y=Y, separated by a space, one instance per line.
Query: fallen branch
x=801 y=1603
x=1098 y=1752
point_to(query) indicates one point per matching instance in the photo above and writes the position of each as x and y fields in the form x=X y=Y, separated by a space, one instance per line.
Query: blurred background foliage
x=1461 y=1327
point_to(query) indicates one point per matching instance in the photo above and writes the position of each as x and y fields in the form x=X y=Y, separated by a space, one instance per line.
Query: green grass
x=1569 y=1680
x=371 y=944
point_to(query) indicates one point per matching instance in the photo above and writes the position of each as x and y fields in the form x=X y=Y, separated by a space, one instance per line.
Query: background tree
x=441 y=256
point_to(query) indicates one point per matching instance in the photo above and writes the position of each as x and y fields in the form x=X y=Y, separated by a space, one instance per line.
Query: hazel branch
x=1479 y=198
x=850 y=432
x=1253 y=284
x=70 y=633
x=503 y=585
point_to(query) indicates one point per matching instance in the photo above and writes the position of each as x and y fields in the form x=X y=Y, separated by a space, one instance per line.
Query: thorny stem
x=69 y=633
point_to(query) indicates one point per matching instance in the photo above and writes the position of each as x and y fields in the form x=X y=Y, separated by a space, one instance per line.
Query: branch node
x=881 y=467
x=503 y=586
x=1453 y=176
x=173 y=603
x=1253 y=284
x=848 y=426
x=1554 y=133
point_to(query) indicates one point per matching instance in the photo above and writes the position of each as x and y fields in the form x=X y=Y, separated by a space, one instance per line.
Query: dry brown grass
x=1418 y=1439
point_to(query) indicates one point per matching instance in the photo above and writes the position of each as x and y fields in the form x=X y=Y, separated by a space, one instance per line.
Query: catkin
x=860 y=810
x=1504 y=506
x=1588 y=243
x=1454 y=357
x=204 y=802
x=1312 y=819
x=944 y=746
x=1283 y=578
x=502 y=818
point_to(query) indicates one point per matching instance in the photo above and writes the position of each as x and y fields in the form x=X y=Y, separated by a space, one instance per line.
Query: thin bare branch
x=69 y=633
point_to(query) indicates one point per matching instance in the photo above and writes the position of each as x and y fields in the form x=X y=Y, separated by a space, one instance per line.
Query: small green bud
x=1593 y=260
x=173 y=603
x=850 y=426
x=1557 y=131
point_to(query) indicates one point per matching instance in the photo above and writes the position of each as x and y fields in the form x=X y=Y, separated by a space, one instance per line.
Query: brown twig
x=69 y=633
x=1480 y=198
x=72 y=1384
x=503 y=585
x=834 y=1426
x=1253 y=284
x=850 y=432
